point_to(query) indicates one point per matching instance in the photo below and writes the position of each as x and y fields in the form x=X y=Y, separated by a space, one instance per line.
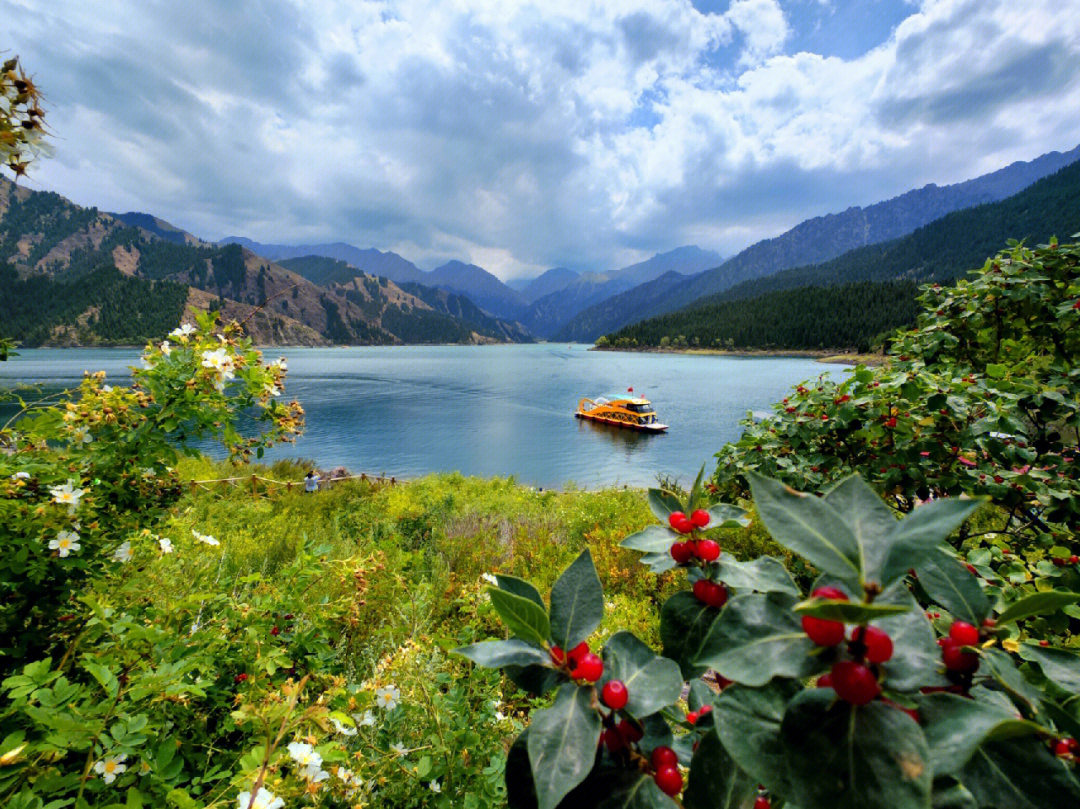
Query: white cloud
x=521 y=135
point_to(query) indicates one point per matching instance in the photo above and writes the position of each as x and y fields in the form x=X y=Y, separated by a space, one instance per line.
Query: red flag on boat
x=629 y=390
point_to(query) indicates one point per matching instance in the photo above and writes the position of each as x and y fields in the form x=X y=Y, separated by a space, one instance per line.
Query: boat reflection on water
x=620 y=435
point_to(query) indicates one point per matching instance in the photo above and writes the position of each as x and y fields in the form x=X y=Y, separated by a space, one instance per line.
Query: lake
x=494 y=410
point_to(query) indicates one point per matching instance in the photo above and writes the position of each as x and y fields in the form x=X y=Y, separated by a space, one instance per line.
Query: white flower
x=206 y=539
x=82 y=436
x=66 y=542
x=435 y=787
x=166 y=349
x=123 y=553
x=147 y=472
x=314 y=773
x=399 y=748
x=21 y=476
x=110 y=767
x=489 y=579
x=304 y=755
x=272 y=389
x=166 y=544
x=280 y=363
x=183 y=331
x=387 y=696
x=342 y=728
x=149 y=366
x=218 y=359
x=67 y=495
x=264 y=799
x=499 y=716
x=365 y=721
x=349 y=778
x=106 y=388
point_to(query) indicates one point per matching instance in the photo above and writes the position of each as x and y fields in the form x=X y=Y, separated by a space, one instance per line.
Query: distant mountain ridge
x=814 y=241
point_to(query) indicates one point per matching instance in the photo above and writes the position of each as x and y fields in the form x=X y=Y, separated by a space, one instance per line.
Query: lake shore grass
x=821 y=355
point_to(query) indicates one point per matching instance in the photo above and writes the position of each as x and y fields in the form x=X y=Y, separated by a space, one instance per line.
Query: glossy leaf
x=562 y=744
x=684 y=621
x=763 y=575
x=520 y=587
x=916 y=659
x=577 y=602
x=663 y=503
x=758 y=637
x=495 y=654
x=921 y=532
x=630 y=790
x=844 y=757
x=652 y=682
x=869 y=520
x=949 y=583
x=851 y=612
x=1037 y=604
x=716 y=781
x=652 y=539
x=809 y=527
x=1024 y=695
x=725 y=515
x=1019 y=774
x=1060 y=665
x=521 y=616
x=748 y=723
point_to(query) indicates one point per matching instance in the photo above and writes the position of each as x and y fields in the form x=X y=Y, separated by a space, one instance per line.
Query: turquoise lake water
x=494 y=410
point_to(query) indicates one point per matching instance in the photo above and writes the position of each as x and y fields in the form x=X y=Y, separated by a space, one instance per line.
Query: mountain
x=544 y=284
x=689 y=260
x=483 y=288
x=77 y=276
x=158 y=227
x=550 y=313
x=817 y=240
x=466 y=317
x=371 y=261
x=874 y=285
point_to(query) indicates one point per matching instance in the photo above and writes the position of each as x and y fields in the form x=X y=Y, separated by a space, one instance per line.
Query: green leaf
x=920 y=534
x=521 y=616
x=758 y=637
x=1019 y=774
x=695 y=491
x=851 y=612
x=809 y=527
x=999 y=665
x=662 y=504
x=627 y=790
x=763 y=575
x=684 y=622
x=652 y=539
x=134 y=799
x=652 y=682
x=1037 y=604
x=495 y=654
x=949 y=583
x=955 y=726
x=916 y=660
x=851 y=757
x=1060 y=665
x=869 y=520
x=520 y=587
x=103 y=675
x=577 y=602
x=716 y=781
x=725 y=515
x=748 y=722
x=562 y=744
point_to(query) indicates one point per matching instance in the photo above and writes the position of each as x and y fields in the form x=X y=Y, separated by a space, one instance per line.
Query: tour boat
x=621 y=410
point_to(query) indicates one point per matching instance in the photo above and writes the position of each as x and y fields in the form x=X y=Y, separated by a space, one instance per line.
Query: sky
x=527 y=135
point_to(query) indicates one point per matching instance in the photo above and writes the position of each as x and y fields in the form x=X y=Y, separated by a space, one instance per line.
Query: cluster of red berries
x=1067 y=748
x=580 y=662
x=853 y=680
x=686 y=525
x=961 y=635
x=239 y=678
x=693 y=716
x=1072 y=560
x=665 y=764
x=707 y=550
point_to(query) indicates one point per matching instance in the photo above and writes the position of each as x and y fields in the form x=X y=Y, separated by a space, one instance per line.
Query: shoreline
x=820 y=355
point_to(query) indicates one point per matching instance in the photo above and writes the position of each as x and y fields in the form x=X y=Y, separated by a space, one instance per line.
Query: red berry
x=831 y=593
x=963 y=634
x=558 y=656
x=825 y=681
x=710 y=593
x=680 y=522
x=681 y=552
x=822 y=632
x=891 y=422
x=1074 y=559
x=577 y=653
x=854 y=682
x=879 y=646
x=239 y=678
x=613 y=740
x=956 y=660
x=761 y=802
x=664 y=757
x=700 y=518
x=1058 y=562
x=614 y=694
x=589 y=667
x=708 y=550
x=704 y=709
x=1065 y=747
x=692 y=717
x=275 y=631
x=669 y=780
x=1044 y=643
x=630 y=731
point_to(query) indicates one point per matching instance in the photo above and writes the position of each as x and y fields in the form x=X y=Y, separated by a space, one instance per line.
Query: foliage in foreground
x=851 y=697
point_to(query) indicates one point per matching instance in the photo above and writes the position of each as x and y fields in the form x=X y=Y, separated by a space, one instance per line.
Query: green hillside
x=847 y=316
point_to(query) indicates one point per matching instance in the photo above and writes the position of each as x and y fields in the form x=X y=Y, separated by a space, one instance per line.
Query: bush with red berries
x=845 y=698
